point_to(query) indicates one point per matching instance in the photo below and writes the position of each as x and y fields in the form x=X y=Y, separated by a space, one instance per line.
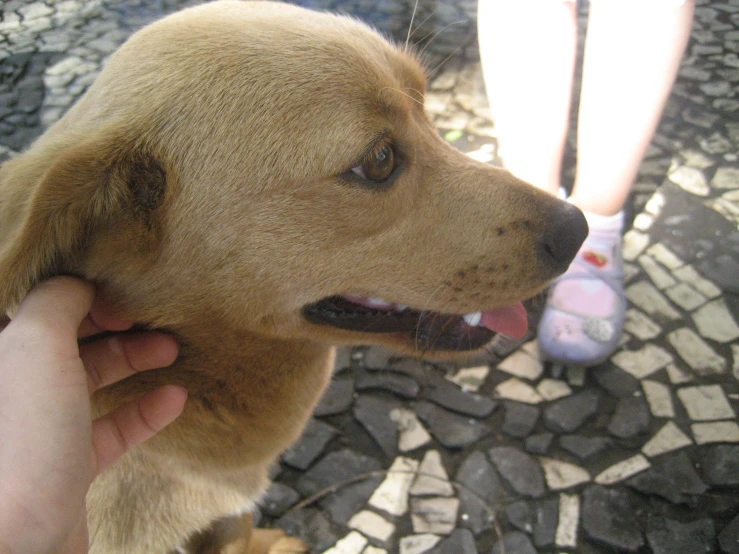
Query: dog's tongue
x=511 y=321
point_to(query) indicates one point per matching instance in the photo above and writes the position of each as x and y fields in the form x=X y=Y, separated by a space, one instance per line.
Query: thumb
x=60 y=303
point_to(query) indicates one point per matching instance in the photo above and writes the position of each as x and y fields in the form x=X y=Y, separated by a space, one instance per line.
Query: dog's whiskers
x=416 y=100
x=410 y=27
x=436 y=34
x=425 y=19
x=441 y=64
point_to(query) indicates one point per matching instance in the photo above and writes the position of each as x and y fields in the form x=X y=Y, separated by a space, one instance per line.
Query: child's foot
x=585 y=310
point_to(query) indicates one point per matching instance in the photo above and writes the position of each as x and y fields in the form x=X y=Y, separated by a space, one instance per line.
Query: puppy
x=253 y=178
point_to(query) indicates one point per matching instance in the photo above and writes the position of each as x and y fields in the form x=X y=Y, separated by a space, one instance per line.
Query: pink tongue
x=511 y=321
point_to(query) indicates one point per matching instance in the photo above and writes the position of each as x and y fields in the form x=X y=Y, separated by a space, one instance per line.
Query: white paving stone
x=470 y=379
x=726 y=178
x=434 y=515
x=643 y=221
x=694 y=351
x=634 y=244
x=569 y=516
x=515 y=389
x=659 y=276
x=521 y=364
x=374 y=550
x=353 y=543
x=392 y=494
x=677 y=375
x=418 y=544
x=667 y=439
x=640 y=325
x=706 y=403
x=622 y=470
x=656 y=203
x=685 y=296
x=718 y=431
x=411 y=432
x=689 y=274
x=552 y=389
x=714 y=321
x=372 y=525
x=643 y=362
x=735 y=353
x=576 y=375
x=563 y=475
x=650 y=300
x=691 y=180
x=664 y=255
x=659 y=398
x=432 y=478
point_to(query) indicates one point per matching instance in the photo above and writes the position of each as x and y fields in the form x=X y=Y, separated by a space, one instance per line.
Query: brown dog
x=252 y=177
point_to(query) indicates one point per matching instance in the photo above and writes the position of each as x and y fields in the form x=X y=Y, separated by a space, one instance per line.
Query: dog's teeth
x=473 y=320
x=378 y=303
x=401 y=307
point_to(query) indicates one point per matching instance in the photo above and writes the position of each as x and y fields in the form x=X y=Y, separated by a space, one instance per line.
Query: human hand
x=50 y=449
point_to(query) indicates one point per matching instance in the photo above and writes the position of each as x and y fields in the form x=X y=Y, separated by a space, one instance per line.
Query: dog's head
x=271 y=169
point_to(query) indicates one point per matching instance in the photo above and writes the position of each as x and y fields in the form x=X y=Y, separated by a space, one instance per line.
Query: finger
x=117 y=432
x=56 y=306
x=113 y=359
x=102 y=317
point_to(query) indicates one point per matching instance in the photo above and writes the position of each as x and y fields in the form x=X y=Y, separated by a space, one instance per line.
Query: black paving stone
x=720 y=464
x=520 y=515
x=673 y=478
x=568 y=414
x=388 y=381
x=667 y=536
x=311 y=526
x=451 y=430
x=346 y=501
x=631 y=418
x=546 y=520
x=278 y=499
x=311 y=444
x=481 y=484
x=520 y=419
x=376 y=357
x=514 y=542
x=539 y=443
x=609 y=516
x=446 y=394
x=333 y=469
x=522 y=472
x=30 y=101
x=343 y=358
x=337 y=398
x=584 y=448
x=616 y=381
x=461 y=541
x=723 y=271
x=411 y=367
x=374 y=415
x=728 y=538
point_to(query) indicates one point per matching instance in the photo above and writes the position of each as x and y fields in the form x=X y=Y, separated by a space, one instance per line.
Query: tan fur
x=197 y=184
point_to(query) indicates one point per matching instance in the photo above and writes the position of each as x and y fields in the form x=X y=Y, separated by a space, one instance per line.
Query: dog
x=261 y=181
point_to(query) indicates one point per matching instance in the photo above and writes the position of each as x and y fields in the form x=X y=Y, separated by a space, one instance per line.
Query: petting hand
x=50 y=449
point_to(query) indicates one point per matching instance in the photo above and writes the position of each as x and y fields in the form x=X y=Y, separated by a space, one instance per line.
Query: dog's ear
x=97 y=185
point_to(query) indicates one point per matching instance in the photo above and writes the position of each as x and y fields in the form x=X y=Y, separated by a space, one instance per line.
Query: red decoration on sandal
x=595 y=258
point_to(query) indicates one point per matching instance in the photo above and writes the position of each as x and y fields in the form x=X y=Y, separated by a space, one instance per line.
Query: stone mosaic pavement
x=500 y=453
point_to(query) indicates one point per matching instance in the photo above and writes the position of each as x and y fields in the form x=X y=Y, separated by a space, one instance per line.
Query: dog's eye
x=378 y=166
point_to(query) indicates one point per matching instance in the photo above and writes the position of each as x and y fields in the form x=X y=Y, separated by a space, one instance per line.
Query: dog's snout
x=563 y=236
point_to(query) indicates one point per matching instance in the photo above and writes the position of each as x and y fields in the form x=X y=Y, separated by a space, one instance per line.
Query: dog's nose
x=563 y=236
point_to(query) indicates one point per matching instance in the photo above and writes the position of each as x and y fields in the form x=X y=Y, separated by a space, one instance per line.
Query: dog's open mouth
x=428 y=330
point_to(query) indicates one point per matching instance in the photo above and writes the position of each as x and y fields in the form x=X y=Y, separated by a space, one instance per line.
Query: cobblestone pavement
x=502 y=453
